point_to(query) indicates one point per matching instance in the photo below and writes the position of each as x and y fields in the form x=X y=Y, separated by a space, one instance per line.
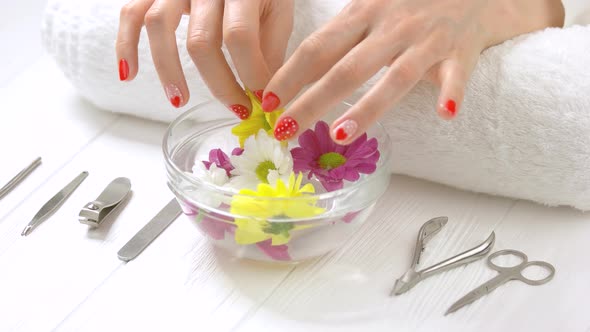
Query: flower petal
x=279 y=253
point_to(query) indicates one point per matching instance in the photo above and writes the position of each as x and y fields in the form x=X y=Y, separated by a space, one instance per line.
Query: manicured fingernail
x=286 y=128
x=123 y=70
x=240 y=110
x=174 y=95
x=451 y=107
x=345 y=130
x=270 y=102
x=259 y=93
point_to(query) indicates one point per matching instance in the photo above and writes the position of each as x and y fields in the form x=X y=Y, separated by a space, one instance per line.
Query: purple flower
x=210 y=223
x=221 y=160
x=278 y=253
x=332 y=163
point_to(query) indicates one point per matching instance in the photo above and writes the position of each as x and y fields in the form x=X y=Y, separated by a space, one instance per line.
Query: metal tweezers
x=427 y=232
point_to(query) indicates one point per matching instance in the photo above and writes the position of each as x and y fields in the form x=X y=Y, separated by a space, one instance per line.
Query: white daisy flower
x=214 y=175
x=264 y=160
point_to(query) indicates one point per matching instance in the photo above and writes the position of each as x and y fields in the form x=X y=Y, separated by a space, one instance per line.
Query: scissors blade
x=479 y=292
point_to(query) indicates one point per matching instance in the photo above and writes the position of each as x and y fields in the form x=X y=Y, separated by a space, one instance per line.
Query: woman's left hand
x=417 y=39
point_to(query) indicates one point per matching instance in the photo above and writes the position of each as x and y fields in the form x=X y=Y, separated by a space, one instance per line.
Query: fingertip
x=447 y=109
x=270 y=102
x=286 y=128
x=344 y=131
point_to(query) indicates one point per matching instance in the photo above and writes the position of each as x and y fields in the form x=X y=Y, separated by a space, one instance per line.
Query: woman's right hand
x=255 y=32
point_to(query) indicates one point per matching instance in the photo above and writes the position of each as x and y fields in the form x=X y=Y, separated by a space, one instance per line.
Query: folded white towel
x=523 y=131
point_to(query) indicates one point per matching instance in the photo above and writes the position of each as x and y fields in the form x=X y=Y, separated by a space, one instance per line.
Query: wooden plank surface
x=66 y=277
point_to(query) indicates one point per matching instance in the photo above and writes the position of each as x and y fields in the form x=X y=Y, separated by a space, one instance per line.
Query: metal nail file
x=54 y=203
x=150 y=231
x=19 y=177
x=95 y=212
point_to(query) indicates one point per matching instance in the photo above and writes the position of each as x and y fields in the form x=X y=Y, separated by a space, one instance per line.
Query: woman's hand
x=418 y=39
x=255 y=32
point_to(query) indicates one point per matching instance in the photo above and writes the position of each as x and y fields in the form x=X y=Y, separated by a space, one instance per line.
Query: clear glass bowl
x=194 y=133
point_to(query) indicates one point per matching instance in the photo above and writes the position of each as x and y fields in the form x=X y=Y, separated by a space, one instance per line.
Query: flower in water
x=258 y=120
x=264 y=160
x=271 y=201
x=217 y=171
x=332 y=163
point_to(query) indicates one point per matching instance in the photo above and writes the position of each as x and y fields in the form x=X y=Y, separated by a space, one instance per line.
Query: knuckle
x=238 y=34
x=129 y=12
x=200 y=41
x=350 y=71
x=154 y=18
x=405 y=72
x=312 y=47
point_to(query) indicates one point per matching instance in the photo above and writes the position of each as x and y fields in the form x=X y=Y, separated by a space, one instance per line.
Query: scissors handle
x=515 y=272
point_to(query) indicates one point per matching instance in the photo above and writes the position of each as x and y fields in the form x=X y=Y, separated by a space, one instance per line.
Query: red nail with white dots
x=241 y=111
x=345 y=130
x=286 y=128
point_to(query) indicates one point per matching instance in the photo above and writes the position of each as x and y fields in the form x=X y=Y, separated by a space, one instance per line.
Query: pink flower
x=278 y=253
x=221 y=160
x=332 y=163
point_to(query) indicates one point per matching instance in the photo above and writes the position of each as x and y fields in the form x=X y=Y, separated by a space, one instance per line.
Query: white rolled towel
x=523 y=131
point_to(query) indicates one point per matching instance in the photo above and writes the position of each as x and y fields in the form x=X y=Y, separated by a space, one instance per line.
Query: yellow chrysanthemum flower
x=260 y=206
x=258 y=120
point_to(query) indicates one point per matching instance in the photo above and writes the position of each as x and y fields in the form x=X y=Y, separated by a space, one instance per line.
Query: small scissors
x=505 y=274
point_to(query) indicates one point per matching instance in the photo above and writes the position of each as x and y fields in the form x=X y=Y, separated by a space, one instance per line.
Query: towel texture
x=523 y=131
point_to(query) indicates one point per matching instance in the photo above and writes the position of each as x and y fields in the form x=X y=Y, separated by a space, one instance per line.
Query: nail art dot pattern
x=241 y=111
x=286 y=128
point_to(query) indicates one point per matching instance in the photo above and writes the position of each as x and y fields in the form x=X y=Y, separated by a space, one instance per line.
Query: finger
x=401 y=77
x=453 y=81
x=161 y=21
x=130 y=23
x=453 y=76
x=204 y=46
x=241 y=27
x=341 y=81
x=275 y=31
x=312 y=59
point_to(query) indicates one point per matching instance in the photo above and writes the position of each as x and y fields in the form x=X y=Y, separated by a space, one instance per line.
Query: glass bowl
x=194 y=133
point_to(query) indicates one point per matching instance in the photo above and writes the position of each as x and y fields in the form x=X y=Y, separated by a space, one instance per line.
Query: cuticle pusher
x=54 y=203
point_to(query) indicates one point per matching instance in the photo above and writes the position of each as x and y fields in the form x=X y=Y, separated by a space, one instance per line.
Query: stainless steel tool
x=150 y=231
x=427 y=232
x=54 y=203
x=95 y=212
x=505 y=274
x=19 y=177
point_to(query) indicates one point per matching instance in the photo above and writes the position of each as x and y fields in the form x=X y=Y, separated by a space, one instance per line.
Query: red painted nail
x=123 y=70
x=259 y=93
x=270 y=102
x=286 y=128
x=451 y=107
x=174 y=95
x=240 y=110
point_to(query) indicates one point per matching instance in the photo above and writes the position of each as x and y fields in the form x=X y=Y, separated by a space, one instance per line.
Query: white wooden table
x=65 y=277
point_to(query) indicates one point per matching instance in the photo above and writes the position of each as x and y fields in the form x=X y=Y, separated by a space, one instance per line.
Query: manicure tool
x=19 y=177
x=427 y=232
x=150 y=231
x=95 y=212
x=54 y=203
x=505 y=274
